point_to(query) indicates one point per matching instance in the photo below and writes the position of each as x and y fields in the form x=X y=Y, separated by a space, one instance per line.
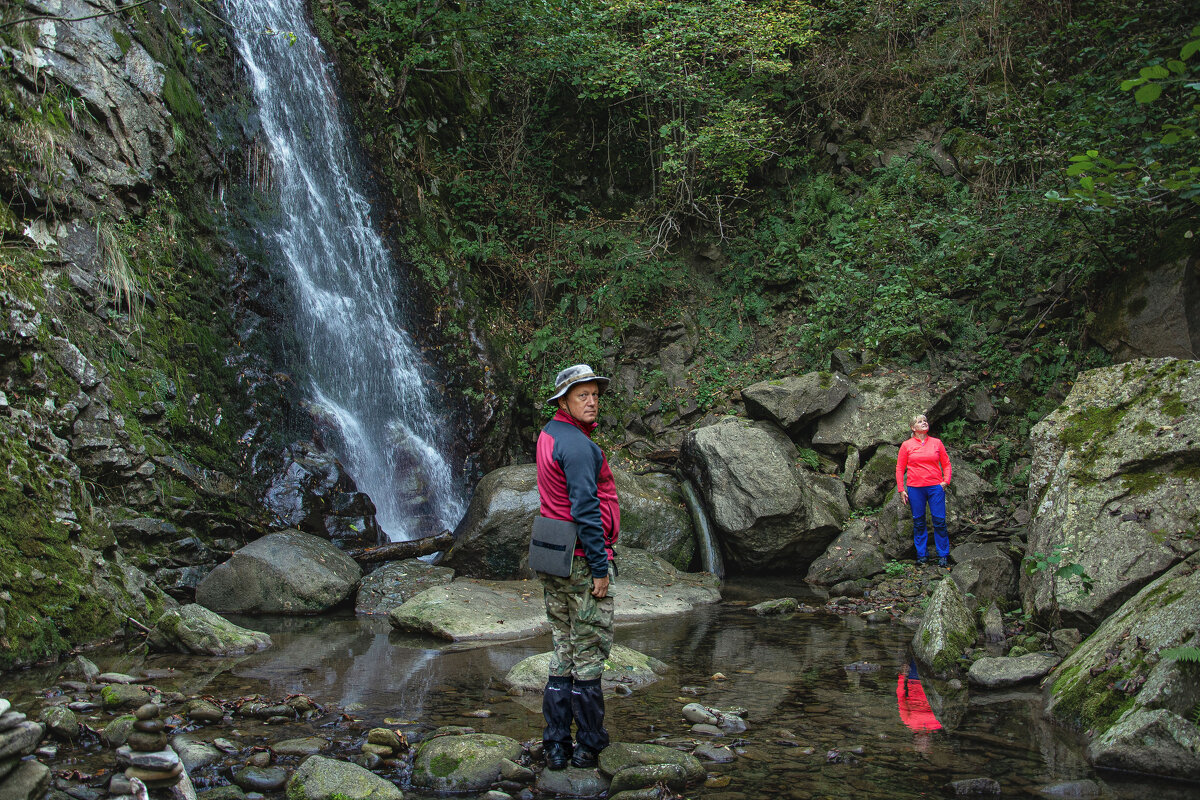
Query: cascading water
x=361 y=371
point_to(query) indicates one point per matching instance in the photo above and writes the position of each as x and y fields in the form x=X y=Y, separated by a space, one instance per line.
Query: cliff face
x=128 y=403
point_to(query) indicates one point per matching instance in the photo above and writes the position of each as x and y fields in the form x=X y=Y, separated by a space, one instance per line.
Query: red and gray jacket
x=575 y=484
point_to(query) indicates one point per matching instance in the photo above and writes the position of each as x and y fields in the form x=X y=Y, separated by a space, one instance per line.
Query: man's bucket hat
x=580 y=373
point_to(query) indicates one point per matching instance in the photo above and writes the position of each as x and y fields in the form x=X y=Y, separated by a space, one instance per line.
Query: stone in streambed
x=973 y=786
x=623 y=667
x=229 y=792
x=203 y=711
x=647 y=775
x=194 y=753
x=996 y=673
x=947 y=629
x=320 y=778
x=161 y=760
x=714 y=752
x=123 y=695
x=466 y=763
x=783 y=605
x=61 y=722
x=29 y=781
x=21 y=739
x=623 y=755
x=571 y=782
x=261 y=779
x=304 y=746
x=196 y=630
x=116 y=733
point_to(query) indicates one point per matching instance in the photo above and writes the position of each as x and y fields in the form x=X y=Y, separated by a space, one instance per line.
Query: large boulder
x=320 y=778
x=467 y=609
x=946 y=630
x=282 y=573
x=856 y=553
x=620 y=756
x=771 y=513
x=999 y=672
x=879 y=408
x=1113 y=487
x=985 y=572
x=311 y=492
x=965 y=496
x=1118 y=685
x=392 y=584
x=492 y=541
x=470 y=762
x=194 y=629
x=1153 y=312
x=875 y=483
x=793 y=402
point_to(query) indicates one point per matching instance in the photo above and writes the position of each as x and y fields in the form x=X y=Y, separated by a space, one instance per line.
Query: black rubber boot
x=587 y=703
x=556 y=708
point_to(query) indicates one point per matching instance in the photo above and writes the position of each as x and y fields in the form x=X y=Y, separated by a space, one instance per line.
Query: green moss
x=1139 y=483
x=1094 y=702
x=1143 y=427
x=181 y=99
x=1172 y=406
x=122 y=39
x=443 y=765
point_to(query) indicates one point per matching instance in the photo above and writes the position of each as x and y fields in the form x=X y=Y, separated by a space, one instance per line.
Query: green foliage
x=894 y=568
x=1041 y=562
x=810 y=458
x=1190 y=654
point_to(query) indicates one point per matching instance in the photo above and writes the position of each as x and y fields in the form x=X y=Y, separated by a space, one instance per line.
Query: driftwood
x=396 y=551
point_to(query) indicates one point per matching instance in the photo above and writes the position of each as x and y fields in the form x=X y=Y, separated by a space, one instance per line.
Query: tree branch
x=57 y=18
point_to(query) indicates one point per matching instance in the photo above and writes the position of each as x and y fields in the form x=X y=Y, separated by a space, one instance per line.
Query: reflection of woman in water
x=915 y=711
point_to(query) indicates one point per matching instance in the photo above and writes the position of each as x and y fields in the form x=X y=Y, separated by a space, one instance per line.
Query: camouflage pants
x=580 y=625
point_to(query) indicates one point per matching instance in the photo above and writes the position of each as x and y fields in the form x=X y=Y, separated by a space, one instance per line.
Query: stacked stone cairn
x=20 y=779
x=146 y=755
x=381 y=746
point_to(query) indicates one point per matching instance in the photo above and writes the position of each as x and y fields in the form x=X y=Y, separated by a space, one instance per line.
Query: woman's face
x=920 y=426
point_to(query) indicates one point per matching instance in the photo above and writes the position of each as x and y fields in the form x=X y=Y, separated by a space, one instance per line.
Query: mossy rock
x=620 y=756
x=320 y=778
x=624 y=667
x=468 y=763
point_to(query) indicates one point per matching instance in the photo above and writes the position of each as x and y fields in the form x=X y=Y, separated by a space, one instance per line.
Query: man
x=575 y=484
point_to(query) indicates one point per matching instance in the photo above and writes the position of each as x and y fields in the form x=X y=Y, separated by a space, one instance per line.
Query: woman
x=922 y=475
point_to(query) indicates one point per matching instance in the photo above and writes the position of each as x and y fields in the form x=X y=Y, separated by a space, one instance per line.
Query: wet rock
x=261 y=779
x=623 y=755
x=856 y=553
x=643 y=777
x=985 y=571
x=1108 y=483
x=695 y=712
x=84 y=668
x=313 y=493
x=875 y=482
x=194 y=753
x=304 y=746
x=793 y=402
x=281 y=573
x=622 y=667
x=1065 y=640
x=203 y=711
x=117 y=732
x=706 y=729
x=973 y=786
x=394 y=583
x=21 y=739
x=61 y=722
x=161 y=760
x=995 y=673
x=196 y=630
x=993 y=625
x=1154 y=741
x=718 y=754
x=115 y=677
x=223 y=793
x=946 y=630
x=385 y=738
x=29 y=781
x=770 y=512
x=467 y=763
x=512 y=771
x=783 y=605
x=571 y=782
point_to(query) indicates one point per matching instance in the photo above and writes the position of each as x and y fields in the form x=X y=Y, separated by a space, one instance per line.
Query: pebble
x=224 y=745
x=260 y=759
x=148 y=725
x=147 y=711
x=49 y=751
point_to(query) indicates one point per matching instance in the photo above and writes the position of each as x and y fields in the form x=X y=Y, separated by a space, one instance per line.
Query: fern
x=1190 y=654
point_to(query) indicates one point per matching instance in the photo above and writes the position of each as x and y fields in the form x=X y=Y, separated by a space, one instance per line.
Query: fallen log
x=396 y=551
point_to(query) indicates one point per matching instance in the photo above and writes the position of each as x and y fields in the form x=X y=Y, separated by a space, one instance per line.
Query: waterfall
x=364 y=381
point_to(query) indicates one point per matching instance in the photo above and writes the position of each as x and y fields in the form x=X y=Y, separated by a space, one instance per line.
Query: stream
x=816 y=729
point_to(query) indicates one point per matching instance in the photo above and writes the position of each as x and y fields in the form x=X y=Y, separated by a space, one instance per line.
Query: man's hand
x=600 y=587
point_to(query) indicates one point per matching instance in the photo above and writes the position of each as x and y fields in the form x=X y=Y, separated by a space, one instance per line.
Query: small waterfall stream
x=360 y=369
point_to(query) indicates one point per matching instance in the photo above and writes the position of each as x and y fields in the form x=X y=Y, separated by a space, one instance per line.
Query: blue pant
x=935 y=497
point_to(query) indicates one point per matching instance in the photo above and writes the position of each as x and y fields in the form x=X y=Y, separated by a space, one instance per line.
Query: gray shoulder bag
x=552 y=545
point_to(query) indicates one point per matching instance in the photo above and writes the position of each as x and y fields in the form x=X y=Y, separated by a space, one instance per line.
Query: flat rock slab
x=620 y=756
x=572 y=782
x=478 y=610
x=996 y=673
x=623 y=667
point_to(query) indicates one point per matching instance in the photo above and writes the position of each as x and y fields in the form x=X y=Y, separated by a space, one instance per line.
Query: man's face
x=582 y=401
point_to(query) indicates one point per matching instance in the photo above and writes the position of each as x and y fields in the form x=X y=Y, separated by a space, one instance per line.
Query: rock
x=1153 y=741
x=304 y=746
x=467 y=763
x=984 y=571
x=979 y=406
x=994 y=673
x=783 y=605
x=194 y=753
x=281 y=573
x=970 y=787
x=993 y=625
x=29 y=781
x=695 y=712
x=84 y=668
x=713 y=752
x=385 y=737
x=115 y=677
x=770 y=513
x=623 y=755
x=478 y=610
x=793 y=402
x=21 y=739
x=146 y=742
x=643 y=777
x=571 y=782
x=194 y=629
x=261 y=779
x=1114 y=672
x=623 y=667
x=856 y=553
x=314 y=494
x=875 y=483
x=201 y=710
x=61 y=722
x=946 y=629
x=117 y=732
x=229 y=792
x=492 y=541
x=878 y=410
x=1152 y=312
x=1113 y=487
x=392 y=584
x=1065 y=640
x=161 y=760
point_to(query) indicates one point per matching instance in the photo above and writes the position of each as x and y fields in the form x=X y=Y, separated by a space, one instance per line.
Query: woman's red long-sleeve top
x=925 y=462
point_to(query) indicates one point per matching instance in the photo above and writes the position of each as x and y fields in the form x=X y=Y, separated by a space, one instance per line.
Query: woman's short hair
x=912 y=422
